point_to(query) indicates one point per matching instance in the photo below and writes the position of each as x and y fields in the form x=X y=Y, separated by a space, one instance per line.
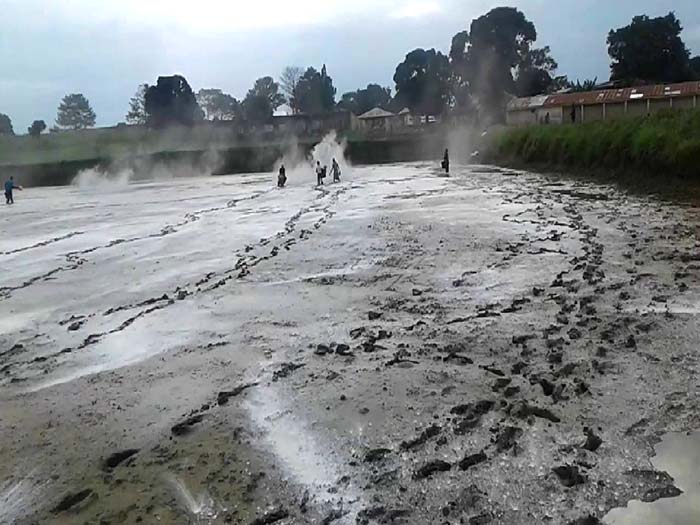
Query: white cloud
x=219 y=16
x=417 y=9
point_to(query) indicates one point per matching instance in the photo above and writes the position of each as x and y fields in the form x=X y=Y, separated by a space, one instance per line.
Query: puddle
x=679 y=455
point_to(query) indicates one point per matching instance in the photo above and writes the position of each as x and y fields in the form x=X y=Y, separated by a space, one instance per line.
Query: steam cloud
x=301 y=167
x=121 y=173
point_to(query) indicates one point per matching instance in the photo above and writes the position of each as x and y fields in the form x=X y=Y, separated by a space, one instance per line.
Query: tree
x=75 y=112
x=262 y=100
x=6 y=125
x=37 y=128
x=586 y=85
x=423 y=82
x=649 y=50
x=496 y=58
x=362 y=100
x=172 y=102
x=535 y=73
x=289 y=79
x=314 y=92
x=218 y=105
x=137 y=106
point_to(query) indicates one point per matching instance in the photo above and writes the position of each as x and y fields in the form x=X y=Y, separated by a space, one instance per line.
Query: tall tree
x=423 y=82
x=362 y=100
x=314 y=92
x=262 y=100
x=75 y=112
x=535 y=73
x=218 y=105
x=586 y=85
x=172 y=102
x=496 y=58
x=6 y=125
x=37 y=128
x=649 y=50
x=289 y=79
x=137 y=106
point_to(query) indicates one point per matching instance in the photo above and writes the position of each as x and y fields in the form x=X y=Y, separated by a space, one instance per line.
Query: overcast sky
x=105 y=48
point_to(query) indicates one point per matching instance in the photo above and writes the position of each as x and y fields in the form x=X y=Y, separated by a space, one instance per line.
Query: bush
x=666 y=143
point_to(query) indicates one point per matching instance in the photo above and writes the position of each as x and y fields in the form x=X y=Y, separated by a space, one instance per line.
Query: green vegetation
x=664 y=144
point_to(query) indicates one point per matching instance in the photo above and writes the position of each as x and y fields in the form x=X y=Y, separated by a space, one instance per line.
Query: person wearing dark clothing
x=319 y=173
x=335 y=169
x=446 y=162
x=9 y=186
x=282 y=177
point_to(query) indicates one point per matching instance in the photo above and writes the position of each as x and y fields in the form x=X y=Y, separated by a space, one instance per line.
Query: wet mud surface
x=494 y=347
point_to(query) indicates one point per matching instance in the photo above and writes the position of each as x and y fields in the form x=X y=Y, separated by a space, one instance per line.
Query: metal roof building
x=602 y=105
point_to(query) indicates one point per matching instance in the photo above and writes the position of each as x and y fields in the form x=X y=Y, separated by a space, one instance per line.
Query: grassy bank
x=667 y=144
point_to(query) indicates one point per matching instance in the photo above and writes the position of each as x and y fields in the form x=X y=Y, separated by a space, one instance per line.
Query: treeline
x=493 y=60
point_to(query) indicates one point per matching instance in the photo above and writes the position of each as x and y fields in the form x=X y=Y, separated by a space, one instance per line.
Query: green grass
x=664 y=144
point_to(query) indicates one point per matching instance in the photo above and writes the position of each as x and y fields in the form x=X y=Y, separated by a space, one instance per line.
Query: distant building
x=606 y=104
x=313 y=124
x=406 y=117
x=379 y=120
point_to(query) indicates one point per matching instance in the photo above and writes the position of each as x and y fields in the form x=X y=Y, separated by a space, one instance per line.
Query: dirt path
x=496 y=347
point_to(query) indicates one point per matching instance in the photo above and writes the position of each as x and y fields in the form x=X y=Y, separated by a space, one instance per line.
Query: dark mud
x=488 y=348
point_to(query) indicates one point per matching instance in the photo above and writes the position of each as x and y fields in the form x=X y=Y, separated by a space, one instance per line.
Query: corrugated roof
x=606 y=96
x=611 y=96
x=377 y=113
x=517 y=104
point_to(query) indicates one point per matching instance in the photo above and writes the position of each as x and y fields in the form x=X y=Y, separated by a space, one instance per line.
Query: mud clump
x=524 y=410
x=569 y=476
x=223 y=397
x=470 y=415
x=376 y=454
x=185 y=427
x=427 y=434
x=284 y=370
x=115 y=459
x=593 y=442
x=472 y=460
x=430 y=468
x=669 y=491
x=271 y=517
x=507 y=438
x=334 y=515
x=588 y=520
x=71 y=500
x=381 y=514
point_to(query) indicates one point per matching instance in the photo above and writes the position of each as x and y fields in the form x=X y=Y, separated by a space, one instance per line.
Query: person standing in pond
x=335 y=169
x=9 y=186
x=282 y=177
x=446 y=161
x=319 y=173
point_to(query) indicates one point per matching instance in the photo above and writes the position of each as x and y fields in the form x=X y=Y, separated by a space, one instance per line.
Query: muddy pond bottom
x=679 y=455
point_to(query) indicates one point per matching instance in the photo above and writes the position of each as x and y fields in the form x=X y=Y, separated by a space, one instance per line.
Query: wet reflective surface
x=679 y=455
